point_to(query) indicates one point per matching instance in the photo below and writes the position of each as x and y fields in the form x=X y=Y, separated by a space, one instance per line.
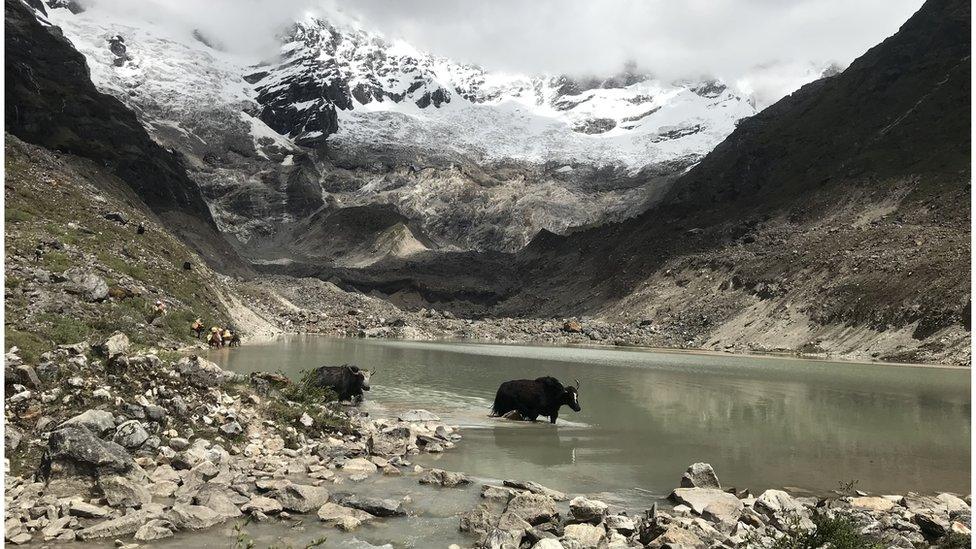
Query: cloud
x=769 y=46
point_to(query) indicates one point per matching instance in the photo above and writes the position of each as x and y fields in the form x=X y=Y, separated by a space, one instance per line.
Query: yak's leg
x=552 y=418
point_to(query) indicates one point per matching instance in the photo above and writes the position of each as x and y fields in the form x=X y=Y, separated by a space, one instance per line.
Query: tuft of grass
x=31 y=347
x=835 y=532
x=13 y=215
x=56 y=262
x=63 y=330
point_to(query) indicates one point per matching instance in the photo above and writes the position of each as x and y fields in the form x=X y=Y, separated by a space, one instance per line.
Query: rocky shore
x=106 y=443
x=103 y=444
x=700 y=514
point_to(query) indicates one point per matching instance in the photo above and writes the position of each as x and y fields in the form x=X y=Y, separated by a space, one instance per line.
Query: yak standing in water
x=532 y=398
x=347 y=381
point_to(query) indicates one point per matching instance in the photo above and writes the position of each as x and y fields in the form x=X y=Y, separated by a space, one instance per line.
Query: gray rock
x=86 y=284
x=375 y=506
x=122 y=526
x=621 y=523
x=344 y=518
x=533 y=508
x=418 y=415
x=96 y=421
x=117 y=344
x=301 y=498
x=76 y=451
x=476 y=521
x=586 y=510
x=202 y=373
x=153 y=530
x=772 y=502
x=120 y=491
x=213 y=497
x=178 y=443
x=441 y=477
x=130 y=434
x=193 y=517
x=232 y=428
x=155 y=413
x=536 y=488
x=490 y=491
x=700 y=498
x=933 y=525
x=700 y=475
x=587 y=535
x=11 y=438
x=78 y=508
x=261 y=504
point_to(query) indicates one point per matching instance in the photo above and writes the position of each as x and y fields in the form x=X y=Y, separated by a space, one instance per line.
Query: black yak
x=347 y=381
x=532 y=398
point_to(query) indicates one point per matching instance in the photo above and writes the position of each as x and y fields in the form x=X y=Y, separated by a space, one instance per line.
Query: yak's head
x=571 y=397
x=361 y=376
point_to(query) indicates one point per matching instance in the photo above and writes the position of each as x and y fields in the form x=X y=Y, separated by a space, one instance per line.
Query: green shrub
x=13 y=215
x=62 y=330
x=837 y=533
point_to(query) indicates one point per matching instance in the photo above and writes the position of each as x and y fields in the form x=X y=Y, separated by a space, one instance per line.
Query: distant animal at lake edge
x=532 y=398
x=347 y=381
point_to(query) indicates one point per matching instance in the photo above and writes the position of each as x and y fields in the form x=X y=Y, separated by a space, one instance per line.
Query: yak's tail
x=496 y=406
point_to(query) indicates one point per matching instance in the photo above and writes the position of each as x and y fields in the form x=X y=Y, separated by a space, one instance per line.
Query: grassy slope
x=58 y=201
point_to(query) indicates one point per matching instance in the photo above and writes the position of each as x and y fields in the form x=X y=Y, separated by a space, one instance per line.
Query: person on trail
x=197 y=327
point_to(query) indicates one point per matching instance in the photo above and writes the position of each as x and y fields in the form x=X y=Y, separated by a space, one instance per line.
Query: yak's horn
x=577 y=383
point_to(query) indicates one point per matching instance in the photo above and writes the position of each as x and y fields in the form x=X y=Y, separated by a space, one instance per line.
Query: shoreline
x=597 y=346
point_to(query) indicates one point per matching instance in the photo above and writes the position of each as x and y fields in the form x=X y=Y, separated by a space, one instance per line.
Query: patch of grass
x=63 y=330
x=835 y=532
x=13 y=215
x=12 y=282
x=31 y=347
x=56 y=262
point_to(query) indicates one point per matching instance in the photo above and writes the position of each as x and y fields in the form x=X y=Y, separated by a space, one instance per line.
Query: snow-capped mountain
x=344 y=117
x=364 y=88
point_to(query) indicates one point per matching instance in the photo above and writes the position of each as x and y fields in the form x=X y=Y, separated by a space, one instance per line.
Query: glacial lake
x=762 y=422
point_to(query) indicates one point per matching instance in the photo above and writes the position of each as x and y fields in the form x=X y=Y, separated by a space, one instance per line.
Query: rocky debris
x=440 y=477
x=700 y=475
x=75 y=450
x=202 y=373
x=130 y=434
x=300 y=498
x=709 y=517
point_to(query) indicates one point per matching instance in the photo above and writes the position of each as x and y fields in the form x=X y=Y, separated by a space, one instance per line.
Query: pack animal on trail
x=214 y=340
x=532 y=398
x=347 y=381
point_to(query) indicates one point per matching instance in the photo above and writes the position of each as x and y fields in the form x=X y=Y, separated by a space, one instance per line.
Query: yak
x=532 y=398
x=347 y=381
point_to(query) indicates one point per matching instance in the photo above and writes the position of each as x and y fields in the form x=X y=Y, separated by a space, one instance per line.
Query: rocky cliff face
x=836 y=220
x=52 y=102
x=345 y=118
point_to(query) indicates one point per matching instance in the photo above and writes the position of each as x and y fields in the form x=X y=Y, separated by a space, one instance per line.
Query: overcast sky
x=757 y=43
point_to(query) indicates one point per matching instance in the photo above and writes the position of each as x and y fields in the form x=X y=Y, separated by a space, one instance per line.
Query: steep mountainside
x=51 y=102
x=345 y=118
x=837 y=219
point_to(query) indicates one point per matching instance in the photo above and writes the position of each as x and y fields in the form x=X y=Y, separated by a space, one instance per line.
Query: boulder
x=359 y=465
x=587 y=535
x=301 y=498
x=202 y=373
x=547 y=543
x=490 y=491
x=533 y=508
x=700 y=498
x=78 y=508
x=193 y=517
x=772 y=502
x=536 y=488
x=675 y=536
x=212 y=496
x=122 y=526
x=130 y=434
x=231 y=428
x=700 y=475
x=86 y=284
x=344 y=518
x=418 y=415
x=375 y=506
x=98 y=422
x=261 y=504
x=11 y=438
x=441 y=477
x=587 y=510
x=153 y=530
x=872 y=503
x=621 y=523
x=572 y=327
x=76 y=451
x=933 y=525
x=120 y=491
